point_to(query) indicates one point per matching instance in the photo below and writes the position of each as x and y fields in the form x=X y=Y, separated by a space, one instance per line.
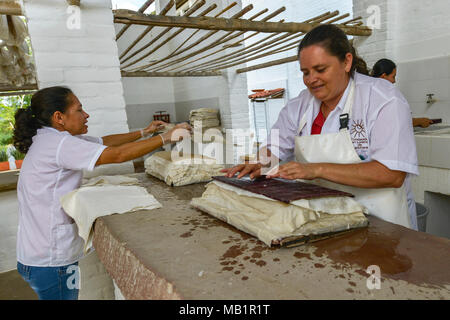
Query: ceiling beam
x=171 y=74
x=210 y=23
x=10 y=7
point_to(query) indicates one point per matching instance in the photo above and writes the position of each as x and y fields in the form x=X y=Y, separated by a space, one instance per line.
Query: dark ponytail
x=335 y=42
x=383 y=66
x=44 y=104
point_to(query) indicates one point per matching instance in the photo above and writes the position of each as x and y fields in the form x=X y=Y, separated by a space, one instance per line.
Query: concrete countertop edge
x=124 y=266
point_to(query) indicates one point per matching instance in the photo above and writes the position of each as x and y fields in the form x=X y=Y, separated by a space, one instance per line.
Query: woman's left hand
x=295 y=170
x=154 y=126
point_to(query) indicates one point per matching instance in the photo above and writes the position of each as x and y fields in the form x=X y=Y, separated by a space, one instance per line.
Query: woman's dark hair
x=335 y=42
x=383 y=66
x=44 y=104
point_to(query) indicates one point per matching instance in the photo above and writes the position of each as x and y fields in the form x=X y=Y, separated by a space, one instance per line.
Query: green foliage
x=17 y=154
x=8 y=108
x=3 y=154
x=6 y=138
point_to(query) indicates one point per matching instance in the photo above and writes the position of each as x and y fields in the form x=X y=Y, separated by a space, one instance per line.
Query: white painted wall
x=9 y=220
x=287 y=75
x=416 y=36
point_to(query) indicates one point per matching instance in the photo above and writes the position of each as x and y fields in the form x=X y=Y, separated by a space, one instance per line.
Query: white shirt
x=53 y=166
x=380 y=127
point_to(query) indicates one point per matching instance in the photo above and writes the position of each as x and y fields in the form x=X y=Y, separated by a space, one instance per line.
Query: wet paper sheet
x=282 y=190
x=271 y=220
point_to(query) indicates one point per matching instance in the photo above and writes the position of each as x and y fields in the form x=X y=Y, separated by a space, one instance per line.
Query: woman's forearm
x=129 y=151
x=371 y=174
x=120 y=139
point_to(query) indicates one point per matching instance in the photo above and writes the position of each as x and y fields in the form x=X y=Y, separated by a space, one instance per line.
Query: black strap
x=343 y=120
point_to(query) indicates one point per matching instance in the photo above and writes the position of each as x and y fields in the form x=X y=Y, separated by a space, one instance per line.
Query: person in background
x=386 y=69
x=51 y=132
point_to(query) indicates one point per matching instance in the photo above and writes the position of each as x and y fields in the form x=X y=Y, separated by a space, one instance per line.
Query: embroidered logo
x=357 y=130
x=359 y=138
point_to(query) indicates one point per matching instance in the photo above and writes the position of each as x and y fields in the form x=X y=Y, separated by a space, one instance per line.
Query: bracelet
x=161 y=138
x=142 y=133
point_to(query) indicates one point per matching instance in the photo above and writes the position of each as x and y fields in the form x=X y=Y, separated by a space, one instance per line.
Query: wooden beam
x=194 y=8
x=209 y=23
x=73 y=2
x=206 y=36
x=6 y=87
x=318 y=18
x=195 y=32
x=171 y=74
x=268 y=64
x=148 y=29
x=10 y=7
x=16 y=93
x=141 y=9
x=227 y=37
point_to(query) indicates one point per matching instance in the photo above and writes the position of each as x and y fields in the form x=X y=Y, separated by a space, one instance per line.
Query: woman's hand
x=422 y=122
x=253 y=169
x=179 y=132
x=154 y=126
x=296 y=170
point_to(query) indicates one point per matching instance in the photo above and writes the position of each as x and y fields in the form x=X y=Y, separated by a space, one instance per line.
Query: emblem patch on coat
x=359 y=137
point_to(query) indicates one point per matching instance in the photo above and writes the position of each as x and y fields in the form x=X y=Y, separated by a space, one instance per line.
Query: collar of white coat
x=45 y=129
x=314 y=105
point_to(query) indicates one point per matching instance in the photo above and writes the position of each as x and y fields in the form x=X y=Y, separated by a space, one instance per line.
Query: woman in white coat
x=51 y=133
x=347 y=131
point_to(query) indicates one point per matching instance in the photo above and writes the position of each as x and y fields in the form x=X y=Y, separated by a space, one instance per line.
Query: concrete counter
x=178 y=252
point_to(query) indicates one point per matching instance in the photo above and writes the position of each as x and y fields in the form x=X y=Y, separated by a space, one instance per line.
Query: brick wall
x=80 y=53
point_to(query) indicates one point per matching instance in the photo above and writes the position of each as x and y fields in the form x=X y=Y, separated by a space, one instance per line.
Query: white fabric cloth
x=52 y=167
x=185 y=170
x=102 y=196
x=271 y=220
x=380 y=127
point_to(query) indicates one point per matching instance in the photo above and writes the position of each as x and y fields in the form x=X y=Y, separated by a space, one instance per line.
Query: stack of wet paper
x=204 y=117
x=275 y=209
x=176 y=170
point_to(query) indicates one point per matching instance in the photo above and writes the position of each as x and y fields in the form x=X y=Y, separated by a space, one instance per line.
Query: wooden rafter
x=263 y=44
x=171 y=74
x=219 y=41
x=197 y=6
x=198 y=57
x=141 y=10
x=222 y=24
x=10 y=7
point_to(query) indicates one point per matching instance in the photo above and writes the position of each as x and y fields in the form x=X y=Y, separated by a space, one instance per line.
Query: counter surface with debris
x=178 y=252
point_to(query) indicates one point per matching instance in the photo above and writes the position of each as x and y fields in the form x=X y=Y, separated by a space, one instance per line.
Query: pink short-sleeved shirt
x=53 y=166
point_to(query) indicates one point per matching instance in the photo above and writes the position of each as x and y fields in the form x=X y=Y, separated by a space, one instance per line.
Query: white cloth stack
x=102 y=196
x=205 y=116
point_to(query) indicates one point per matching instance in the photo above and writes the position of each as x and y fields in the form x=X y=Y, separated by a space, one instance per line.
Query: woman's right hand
x=253 y=169
x=177 y=133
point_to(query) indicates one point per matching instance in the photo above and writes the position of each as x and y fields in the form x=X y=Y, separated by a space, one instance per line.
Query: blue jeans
x=52 y=283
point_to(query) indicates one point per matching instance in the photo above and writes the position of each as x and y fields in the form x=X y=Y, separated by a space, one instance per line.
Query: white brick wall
x=416 y=36
x=83 y=59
